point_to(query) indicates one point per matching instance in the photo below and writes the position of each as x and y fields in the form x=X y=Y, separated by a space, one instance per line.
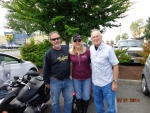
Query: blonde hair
x=72 y=50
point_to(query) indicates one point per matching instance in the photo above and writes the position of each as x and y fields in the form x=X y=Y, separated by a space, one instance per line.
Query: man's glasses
x=77 y=40
x=54 y=39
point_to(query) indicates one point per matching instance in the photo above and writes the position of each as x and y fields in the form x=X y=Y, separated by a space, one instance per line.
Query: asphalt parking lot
x=129 y=99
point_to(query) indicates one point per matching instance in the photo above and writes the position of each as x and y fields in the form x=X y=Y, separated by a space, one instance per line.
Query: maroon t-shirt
x=81 y=65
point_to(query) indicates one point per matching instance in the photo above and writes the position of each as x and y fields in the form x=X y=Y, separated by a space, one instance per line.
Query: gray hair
x=96 y=30
x=53 y=33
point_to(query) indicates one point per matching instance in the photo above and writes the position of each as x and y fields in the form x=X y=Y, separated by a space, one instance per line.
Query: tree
x=147 y=29
x=21 y=26
x=67 y=16
x=124 y=36
x=107 y=42
x=137 y=28
x=145 y=53
x=117 y=38
x=111 y=42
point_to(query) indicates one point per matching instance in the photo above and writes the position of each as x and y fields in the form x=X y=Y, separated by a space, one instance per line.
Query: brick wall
x=130 y=72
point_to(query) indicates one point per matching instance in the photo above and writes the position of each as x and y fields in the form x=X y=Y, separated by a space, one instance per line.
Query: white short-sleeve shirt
x=102 y=61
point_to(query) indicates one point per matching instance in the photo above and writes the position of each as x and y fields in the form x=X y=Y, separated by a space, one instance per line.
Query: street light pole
x=120 y=31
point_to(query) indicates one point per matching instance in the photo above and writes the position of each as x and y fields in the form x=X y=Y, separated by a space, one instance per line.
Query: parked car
x=134 y=46
x=86 y=45
x=115 y=47
x=13 y=46
x=5 y=46
x=146 y=78
x=11 y=66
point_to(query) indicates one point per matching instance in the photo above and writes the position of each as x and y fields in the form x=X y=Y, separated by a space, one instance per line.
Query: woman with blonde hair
x=81 y=73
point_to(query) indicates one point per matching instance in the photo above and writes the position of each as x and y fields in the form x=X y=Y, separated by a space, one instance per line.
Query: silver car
x=146 y=78
x=134 y=46
x=11 y=66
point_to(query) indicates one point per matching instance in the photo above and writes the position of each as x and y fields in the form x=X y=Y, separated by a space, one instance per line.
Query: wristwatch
x=115 y=81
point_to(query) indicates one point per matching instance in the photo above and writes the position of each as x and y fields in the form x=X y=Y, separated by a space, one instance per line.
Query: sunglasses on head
x=54 y=39
x=77 y=40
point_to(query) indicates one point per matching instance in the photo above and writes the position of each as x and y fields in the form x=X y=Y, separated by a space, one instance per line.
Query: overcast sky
x=139 y=10
x=2 y=20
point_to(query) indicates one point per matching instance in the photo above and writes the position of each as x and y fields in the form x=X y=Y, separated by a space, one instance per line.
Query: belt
x=59 y=78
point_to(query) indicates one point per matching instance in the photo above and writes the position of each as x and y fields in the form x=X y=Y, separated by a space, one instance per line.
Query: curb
x=129 y=81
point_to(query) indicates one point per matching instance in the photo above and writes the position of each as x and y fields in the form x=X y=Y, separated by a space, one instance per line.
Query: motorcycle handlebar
x=22 y=83
x=19 y=81
x=27 y=86
x=14 y=83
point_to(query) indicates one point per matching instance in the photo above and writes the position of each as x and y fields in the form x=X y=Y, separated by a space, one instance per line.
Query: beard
x=57 y=45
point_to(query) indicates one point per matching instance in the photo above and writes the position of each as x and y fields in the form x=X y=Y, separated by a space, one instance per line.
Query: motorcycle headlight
x=1 y=100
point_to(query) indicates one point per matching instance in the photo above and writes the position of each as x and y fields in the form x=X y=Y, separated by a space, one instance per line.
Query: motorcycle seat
x=26 y=94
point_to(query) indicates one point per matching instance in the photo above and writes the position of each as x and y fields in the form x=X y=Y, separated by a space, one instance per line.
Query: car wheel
x=144 y=87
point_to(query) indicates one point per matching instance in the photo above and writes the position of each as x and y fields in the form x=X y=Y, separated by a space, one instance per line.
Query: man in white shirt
x=104 y=73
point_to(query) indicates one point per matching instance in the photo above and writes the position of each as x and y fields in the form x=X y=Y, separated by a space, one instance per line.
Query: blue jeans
x=101 y=93
x=66 y=87
x=82 y=88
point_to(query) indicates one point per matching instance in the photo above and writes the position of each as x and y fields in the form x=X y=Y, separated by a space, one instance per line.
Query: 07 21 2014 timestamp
x=131 y=100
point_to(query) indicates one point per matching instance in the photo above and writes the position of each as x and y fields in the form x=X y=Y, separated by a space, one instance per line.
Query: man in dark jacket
x=56 y=74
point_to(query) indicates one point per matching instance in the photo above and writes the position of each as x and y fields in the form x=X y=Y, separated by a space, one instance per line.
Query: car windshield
x=130 y=43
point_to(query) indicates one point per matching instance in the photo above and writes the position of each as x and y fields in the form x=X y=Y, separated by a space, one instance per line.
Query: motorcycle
x=24 y=93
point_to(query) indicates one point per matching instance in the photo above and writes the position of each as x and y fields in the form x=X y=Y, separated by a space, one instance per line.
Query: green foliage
x=137 y=27
x=117 y=38
x=145 y=53
x=35 y=52
x=68 y=17
x=147 y=29
x=32 y=41
x=123 y=36
x=122 y=56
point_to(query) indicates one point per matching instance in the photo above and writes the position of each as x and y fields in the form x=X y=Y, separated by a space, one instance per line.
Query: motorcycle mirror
x=28 y=75
x=33 y=73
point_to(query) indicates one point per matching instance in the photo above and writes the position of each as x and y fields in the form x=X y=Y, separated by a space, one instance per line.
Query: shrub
x=35 y=52
x=122 y=55
x=145 y=53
